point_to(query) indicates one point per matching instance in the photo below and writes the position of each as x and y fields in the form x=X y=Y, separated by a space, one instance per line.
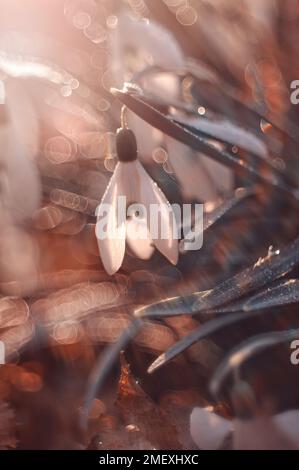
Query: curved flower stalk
x=279 y=432
x=131 y=184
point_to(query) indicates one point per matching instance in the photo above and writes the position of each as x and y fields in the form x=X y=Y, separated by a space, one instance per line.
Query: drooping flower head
x=132 y=190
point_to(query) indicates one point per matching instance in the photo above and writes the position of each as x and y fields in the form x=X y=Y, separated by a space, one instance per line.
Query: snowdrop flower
x=198 y=176
x=264 y=432
x=132 y=182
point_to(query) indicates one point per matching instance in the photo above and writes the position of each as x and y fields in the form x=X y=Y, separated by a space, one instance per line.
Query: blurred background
x=221 y=66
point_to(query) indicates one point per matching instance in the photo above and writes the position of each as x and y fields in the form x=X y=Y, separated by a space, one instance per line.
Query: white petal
x=138 y=238
x=207 y=429
x=151 y=195
x=261 y=433
x=129 y=179
x=287 y=422
x=112 y=247
x=137 y=233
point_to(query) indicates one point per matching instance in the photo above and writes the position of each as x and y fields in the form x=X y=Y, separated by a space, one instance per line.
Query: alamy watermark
x=157 y=221
x=294 y=358
x=295 y=93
